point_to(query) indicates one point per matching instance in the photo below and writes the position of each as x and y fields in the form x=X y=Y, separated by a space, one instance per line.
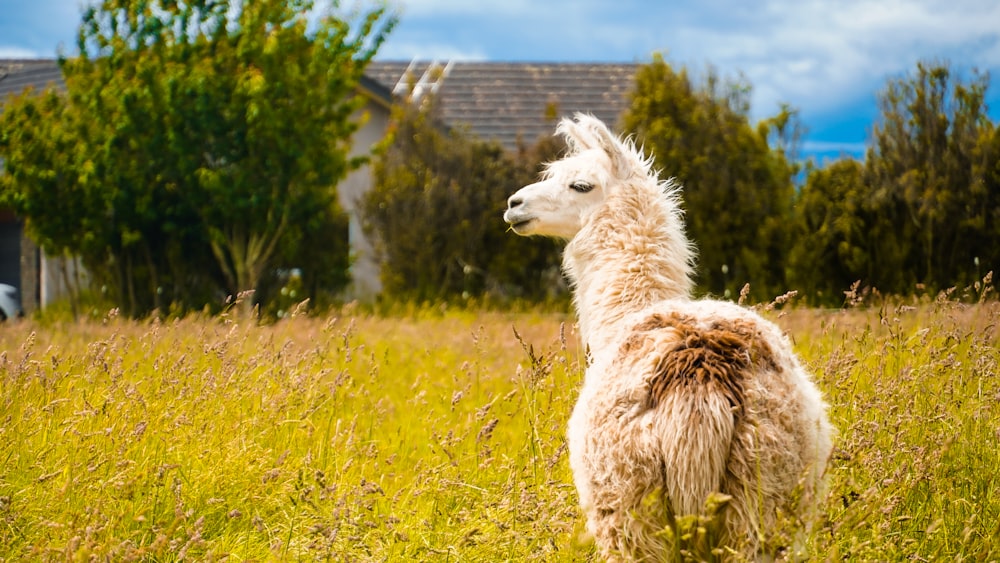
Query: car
x=10 y=305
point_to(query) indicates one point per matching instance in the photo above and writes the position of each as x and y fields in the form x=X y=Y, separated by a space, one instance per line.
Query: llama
x=683 y=400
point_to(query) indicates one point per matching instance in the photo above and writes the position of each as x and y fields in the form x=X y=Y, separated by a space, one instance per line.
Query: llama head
x=573 y=187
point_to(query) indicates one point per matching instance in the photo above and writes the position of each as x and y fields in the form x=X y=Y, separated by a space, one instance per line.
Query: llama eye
x=581 y=186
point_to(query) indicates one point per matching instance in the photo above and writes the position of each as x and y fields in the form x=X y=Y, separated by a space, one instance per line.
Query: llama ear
x=586 y=132
x=576 y=138
x=600 y=137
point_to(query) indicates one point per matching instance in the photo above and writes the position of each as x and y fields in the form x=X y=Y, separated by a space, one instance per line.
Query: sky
x=827 y=59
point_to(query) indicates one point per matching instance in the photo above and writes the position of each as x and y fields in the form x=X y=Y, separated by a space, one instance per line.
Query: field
x=439 y=436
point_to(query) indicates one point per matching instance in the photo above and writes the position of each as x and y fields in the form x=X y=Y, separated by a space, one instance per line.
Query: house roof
x=508 y=102
x=18 y=74
x=375 y=90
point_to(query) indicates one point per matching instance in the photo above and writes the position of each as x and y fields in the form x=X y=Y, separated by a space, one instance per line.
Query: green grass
x=441 y=437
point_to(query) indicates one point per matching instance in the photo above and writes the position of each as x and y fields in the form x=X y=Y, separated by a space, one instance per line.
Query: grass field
x=439 y=436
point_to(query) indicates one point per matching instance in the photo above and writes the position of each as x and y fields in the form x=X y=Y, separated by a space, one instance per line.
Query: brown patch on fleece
x=701 y=359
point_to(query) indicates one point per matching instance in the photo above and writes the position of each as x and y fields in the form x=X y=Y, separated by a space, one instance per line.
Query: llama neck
x=631 y=254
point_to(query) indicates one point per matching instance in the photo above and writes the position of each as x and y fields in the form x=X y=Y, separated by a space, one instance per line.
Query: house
x=509 y=102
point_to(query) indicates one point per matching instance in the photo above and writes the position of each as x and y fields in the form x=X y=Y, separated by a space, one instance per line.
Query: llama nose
x=514 y=201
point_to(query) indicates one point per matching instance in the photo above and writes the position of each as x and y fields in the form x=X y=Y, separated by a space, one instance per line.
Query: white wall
x=60 y=278
x=365 y=284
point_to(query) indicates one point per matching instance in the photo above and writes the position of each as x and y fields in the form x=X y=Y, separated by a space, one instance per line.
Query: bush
x=435 y=215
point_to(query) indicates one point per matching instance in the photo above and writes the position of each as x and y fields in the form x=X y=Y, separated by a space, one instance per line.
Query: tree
x=206 y=128
x=983 y=207
x=737 y=190
x=436 y=208
x=928 y=175
x=48 y=177
x=830 y=249
x=44 y=178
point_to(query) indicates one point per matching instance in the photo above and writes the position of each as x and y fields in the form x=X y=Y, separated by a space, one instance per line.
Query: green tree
x=928 y=176
x=324 y=269
x=48 y=177
x=207 y=128
x=983 y=207
x=436 y=208
x=737 y=189
x=830 y=249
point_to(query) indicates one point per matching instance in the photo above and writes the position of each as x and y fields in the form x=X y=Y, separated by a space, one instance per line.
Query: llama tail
x=696 y=438
x=696 y=391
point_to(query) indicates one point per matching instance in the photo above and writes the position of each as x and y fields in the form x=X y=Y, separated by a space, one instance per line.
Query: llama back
x=694 y=393
x=733 y=412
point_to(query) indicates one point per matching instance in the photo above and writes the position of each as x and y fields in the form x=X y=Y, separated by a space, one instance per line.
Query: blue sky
x=828 y=59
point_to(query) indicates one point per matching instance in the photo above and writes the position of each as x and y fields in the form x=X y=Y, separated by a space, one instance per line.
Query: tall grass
x=915 y=393
x=440 y=437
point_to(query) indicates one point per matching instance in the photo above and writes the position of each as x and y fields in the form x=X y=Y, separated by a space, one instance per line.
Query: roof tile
x=508 y=102
x=18 y=74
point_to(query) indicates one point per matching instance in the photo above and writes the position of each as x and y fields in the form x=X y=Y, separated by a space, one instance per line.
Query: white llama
x=682 y=397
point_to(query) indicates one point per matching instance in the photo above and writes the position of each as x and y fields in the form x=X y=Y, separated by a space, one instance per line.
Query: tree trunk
x=244 y=258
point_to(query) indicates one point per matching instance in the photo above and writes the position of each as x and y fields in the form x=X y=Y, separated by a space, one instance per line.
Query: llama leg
x=606 y=526
x=614 y=485
x=628 y=534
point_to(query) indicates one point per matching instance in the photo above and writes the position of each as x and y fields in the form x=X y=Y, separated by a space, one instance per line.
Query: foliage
x=34 y=182
x=912 y=390
x=195 y=143
x=435 y=212
x=923 y=210
x=831 y=244
x=306 y=439
x=441 y=437
x=317 y=252
x=928 y=177
x=737 y=191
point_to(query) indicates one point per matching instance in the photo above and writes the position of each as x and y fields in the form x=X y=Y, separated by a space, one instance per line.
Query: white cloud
x=806 y=52
x=816 y=55
x=526 y=9
x=14 y=52
x=426 y=51
x=821 y=55
x=39 y=28
x=827 y=59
